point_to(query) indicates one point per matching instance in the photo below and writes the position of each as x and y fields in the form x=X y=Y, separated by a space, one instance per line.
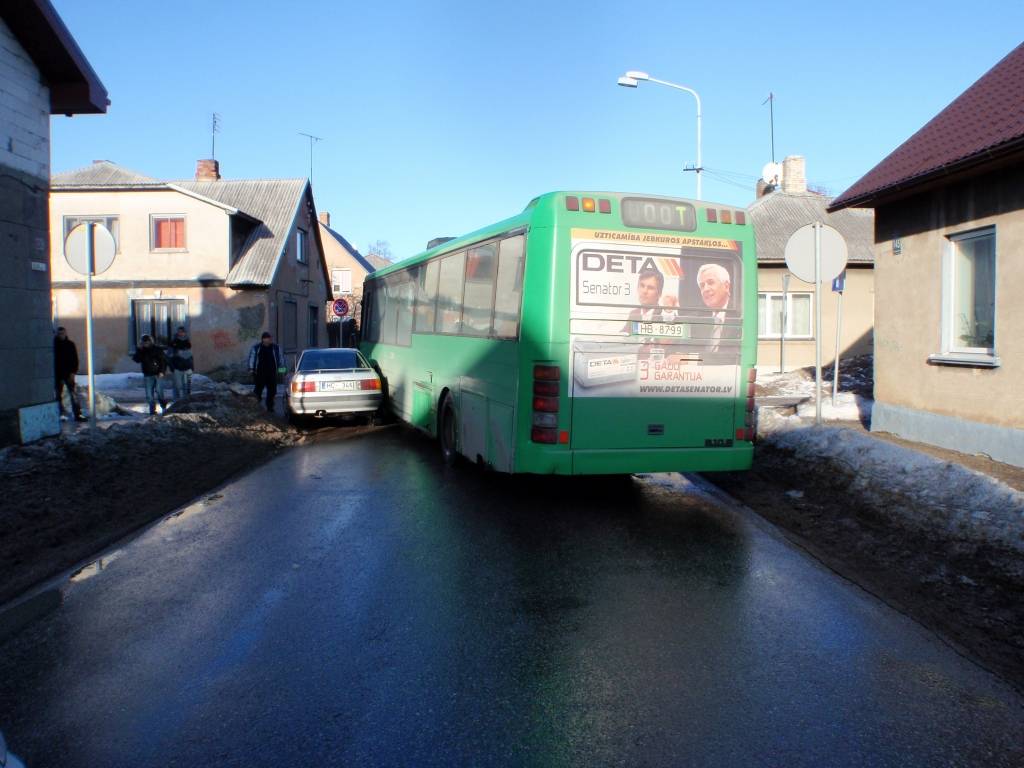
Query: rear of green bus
x=638 y=337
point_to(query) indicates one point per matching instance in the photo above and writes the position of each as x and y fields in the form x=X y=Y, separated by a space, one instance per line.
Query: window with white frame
x=341 y=281
x=112 y=223
x=798 y=315
x=969 y=294
x=167 y=232
x=300 y=245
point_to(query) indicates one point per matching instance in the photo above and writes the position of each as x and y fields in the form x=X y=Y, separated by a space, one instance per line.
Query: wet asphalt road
x=355 y=603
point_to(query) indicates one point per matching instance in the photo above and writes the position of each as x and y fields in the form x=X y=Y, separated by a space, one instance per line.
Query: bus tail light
x=572 y=203
x=726 y=216
x=741 y=217
x=541 y=435
x=546 y=380
x=712 y=215
x=604 y=206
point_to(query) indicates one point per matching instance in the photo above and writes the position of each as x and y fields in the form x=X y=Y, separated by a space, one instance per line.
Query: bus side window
x=389 y=317
x=449 y=293
x=376 y=310
x=481 y=265
x=426 y=297
x=509 y=295
x=406 y=289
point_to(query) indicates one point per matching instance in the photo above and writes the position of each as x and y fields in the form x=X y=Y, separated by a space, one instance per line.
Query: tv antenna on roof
x=770 y=101
x=215 y=129
x=312 y=139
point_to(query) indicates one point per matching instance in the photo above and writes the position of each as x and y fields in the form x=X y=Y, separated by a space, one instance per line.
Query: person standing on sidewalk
x=65 y=366
x=153 y=363
x=265 y=362
x=181 y=364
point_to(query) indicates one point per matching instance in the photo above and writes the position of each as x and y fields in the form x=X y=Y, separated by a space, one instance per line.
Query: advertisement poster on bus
x=655 y=315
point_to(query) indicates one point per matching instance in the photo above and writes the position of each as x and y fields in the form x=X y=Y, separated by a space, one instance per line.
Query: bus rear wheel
x=448 y=430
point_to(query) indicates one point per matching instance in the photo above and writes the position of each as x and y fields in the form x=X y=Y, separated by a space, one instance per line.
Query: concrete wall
x=26 y=345
x=207 y=235
x=908 y=315
x=858 y=318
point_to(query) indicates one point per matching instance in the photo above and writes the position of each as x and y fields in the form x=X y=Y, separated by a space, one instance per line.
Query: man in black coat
x=266 y=362
x=153 y=362
x=65 y=366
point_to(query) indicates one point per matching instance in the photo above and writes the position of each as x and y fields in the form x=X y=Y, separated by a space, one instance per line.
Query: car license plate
x=335 y=386
x=677 y=330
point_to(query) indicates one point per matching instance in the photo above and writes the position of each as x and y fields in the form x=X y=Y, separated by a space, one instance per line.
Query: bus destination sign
x=651 y=213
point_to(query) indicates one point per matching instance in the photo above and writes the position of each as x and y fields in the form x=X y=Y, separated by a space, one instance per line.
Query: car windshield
x=331 y=360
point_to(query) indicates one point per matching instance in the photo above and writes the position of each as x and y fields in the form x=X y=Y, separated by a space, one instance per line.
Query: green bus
x=593 y=333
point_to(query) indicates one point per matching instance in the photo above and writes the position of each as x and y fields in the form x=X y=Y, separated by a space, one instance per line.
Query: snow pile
x=847 y=407
x=916 y=490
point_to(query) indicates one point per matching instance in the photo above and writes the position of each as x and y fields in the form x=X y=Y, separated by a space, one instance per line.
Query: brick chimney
x=794 y=175
x=325 y=218
x=207 y=170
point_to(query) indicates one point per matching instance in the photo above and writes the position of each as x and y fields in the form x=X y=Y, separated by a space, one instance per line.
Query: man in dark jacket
x=265 y=363
x=65 y=366
x=151 y=358
x=180 y=350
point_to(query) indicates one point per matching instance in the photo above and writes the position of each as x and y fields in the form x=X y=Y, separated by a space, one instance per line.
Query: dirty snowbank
x=912 y=489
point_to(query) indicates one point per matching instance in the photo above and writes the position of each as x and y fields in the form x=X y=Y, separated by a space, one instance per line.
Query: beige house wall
x=301 y=283
x=858 y=318
x=207 y=235
x=908 y=320
x=223 y=323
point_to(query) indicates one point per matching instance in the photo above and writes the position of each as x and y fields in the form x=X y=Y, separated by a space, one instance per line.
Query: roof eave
x=75 y=88
x=908 y=186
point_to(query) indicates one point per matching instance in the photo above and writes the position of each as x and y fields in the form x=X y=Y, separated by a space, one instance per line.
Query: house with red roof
x=949 y=272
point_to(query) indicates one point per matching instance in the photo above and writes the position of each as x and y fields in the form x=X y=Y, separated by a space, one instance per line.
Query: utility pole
x=312 y=139
x=770 y=101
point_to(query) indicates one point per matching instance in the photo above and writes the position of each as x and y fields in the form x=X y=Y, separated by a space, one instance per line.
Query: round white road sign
x=800 y=253
x=76 y=249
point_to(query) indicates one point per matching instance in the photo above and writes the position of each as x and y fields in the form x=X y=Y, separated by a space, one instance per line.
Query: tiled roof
x=777 y=215
x=363 y=261
x=985 y=121
x=274 y=203
x=103 y=173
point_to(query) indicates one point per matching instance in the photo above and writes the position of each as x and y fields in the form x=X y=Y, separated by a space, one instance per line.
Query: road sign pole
x=91 y=267
x=839 y=330
x=817 y=323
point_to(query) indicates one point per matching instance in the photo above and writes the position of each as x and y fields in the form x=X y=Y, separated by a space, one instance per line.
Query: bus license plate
x=677 y=330
x=339 y=385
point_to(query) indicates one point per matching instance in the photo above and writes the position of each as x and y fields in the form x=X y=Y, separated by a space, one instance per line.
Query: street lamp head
x=637 y=75
x=627 y=82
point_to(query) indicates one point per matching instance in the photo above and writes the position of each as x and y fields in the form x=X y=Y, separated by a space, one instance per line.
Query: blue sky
x=440 y=117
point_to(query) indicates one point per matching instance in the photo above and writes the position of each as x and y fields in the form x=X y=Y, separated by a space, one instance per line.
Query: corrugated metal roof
x=103 y=173
x=777 y=215
x=363 y=261
x=985 y=120
x=274 y=202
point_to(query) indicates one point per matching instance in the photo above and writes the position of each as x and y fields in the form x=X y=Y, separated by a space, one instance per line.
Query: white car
x=332 y=381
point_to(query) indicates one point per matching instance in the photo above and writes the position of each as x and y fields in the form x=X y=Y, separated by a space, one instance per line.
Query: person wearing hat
x=265 y=363
x=151 y=358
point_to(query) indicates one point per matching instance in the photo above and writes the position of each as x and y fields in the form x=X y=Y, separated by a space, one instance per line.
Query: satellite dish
x=772 y=173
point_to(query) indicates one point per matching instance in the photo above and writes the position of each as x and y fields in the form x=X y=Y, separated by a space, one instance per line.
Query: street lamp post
x=632 y=78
